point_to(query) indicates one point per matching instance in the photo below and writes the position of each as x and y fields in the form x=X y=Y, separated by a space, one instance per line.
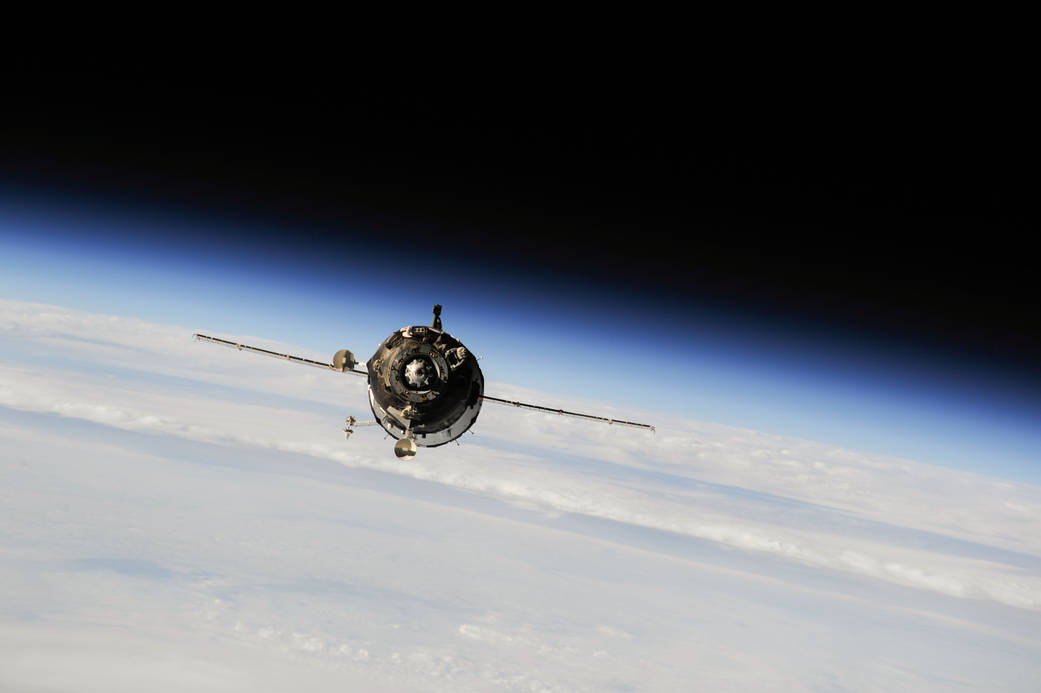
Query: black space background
x=899 y=212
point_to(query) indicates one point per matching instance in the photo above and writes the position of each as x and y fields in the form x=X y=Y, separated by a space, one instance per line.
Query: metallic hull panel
x=424 y=384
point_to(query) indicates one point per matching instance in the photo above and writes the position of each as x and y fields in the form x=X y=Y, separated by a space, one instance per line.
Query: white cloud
x=732 y=515
x=835 y=478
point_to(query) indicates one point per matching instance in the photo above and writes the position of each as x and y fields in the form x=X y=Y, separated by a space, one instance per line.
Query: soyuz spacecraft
x=425 y=388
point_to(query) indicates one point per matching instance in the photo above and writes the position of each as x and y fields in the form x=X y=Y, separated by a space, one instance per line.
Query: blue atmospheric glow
x=672 y=360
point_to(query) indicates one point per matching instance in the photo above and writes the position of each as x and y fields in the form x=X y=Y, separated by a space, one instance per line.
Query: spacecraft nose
x=417 y=373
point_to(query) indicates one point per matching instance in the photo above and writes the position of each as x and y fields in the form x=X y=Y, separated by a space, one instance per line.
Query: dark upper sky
x=901 y=212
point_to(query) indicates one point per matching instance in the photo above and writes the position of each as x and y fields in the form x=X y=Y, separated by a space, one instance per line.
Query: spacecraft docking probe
x=425 y=387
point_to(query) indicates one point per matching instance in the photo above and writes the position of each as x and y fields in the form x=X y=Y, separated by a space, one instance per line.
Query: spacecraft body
x=424 y=385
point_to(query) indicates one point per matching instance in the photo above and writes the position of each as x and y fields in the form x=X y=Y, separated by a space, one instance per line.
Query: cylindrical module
x=425 y=385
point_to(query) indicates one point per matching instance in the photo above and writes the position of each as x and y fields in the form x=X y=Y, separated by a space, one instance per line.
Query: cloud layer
x=737 y=513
